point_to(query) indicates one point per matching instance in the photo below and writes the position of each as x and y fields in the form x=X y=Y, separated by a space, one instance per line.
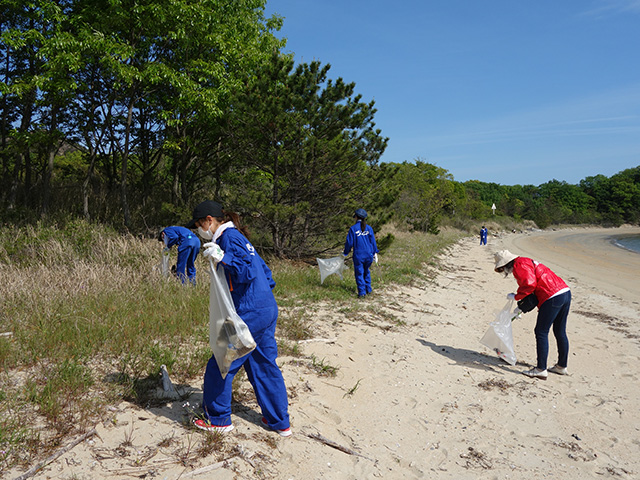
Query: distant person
x=188 y=249
x=483 y=236
x=365 y=251
x=539 y=287
x=251 y=284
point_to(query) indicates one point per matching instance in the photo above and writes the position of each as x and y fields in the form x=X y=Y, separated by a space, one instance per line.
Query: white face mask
x=206 y=234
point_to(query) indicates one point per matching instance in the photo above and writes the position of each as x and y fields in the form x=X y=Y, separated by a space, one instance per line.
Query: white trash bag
x=499 y=336
x=229 y=336
x=330 y=266
x=164 y=263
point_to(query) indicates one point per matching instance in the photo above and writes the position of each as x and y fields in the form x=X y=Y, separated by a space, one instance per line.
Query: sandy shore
x=417 y=396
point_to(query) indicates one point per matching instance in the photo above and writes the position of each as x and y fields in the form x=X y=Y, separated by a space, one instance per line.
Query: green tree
x=305 y=143
x=426 y=193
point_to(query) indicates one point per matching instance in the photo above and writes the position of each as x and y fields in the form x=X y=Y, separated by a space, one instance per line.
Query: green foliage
x=598 y=199
x=426 y=193
x=303 y=142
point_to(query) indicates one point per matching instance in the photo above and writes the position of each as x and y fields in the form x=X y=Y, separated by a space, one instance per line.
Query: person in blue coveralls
x=188 y=249
x=251 y=284
x=483 y=236
x=365 y=251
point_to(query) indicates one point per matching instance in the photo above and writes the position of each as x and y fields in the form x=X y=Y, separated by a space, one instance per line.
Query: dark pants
x=553 y=312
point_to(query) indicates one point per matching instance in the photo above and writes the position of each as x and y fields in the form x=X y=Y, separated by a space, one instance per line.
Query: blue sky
x=504 y=91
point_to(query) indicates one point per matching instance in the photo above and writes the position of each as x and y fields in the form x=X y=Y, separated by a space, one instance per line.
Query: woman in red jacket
x=539 y=287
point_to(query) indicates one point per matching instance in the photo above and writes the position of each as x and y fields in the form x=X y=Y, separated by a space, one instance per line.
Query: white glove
x=511 y=296
x=213 y=251
x=517 y=311
x=375 y=258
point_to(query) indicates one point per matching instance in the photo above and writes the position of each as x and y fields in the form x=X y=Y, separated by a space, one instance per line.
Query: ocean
x=630 y=242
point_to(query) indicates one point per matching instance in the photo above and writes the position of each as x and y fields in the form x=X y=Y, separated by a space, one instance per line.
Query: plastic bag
x=499 y=336
x=330 y=266
x=164 y=263
x=229 y=336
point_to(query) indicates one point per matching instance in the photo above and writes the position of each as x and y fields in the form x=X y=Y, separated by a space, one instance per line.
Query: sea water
x=630 y=242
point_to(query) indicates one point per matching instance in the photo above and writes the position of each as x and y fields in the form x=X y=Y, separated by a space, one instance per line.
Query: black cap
x=204 y=209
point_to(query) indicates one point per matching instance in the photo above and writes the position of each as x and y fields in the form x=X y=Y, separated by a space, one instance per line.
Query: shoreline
x=615 y=240
x=588 y=254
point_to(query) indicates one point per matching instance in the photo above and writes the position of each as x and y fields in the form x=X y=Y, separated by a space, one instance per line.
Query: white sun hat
x=503 y=257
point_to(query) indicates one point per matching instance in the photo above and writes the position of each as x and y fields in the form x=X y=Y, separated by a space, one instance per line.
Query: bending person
x=188 y=249
x=539 y=287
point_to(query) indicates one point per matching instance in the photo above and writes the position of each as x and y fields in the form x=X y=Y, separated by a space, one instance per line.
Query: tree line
x=129 y=112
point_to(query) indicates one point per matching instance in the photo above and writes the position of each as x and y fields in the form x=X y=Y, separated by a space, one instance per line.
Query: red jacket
x=534 y=277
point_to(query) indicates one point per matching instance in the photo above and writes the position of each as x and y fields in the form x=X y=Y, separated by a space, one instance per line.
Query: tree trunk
x=125 y=166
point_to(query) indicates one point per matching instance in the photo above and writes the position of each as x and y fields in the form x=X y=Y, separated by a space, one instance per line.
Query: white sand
x=407 y=402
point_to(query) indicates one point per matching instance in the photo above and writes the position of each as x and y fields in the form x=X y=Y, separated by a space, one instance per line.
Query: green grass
x=87 y=311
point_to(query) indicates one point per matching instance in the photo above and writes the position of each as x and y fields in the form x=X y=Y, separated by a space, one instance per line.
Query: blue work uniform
x=250 y=283
x=483 y=236
x=188 y=249
x=364 y=248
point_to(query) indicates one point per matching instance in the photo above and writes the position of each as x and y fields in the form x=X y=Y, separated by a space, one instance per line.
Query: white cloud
x=605 y=8
x=609 y=113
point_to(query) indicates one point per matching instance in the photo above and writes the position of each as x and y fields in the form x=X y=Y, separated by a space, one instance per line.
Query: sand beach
x=416 y=395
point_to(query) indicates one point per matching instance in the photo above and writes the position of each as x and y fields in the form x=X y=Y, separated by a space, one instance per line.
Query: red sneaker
x=283 y=433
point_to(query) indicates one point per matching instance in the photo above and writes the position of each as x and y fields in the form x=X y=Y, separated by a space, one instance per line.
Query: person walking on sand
x=539 y=287
x=251 y=284
x=188 y=249
x=365 y=251
x=483 y=236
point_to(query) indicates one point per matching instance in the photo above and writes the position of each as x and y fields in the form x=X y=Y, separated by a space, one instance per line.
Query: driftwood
x=324 y=340
x=35 y=469
x=332 y=444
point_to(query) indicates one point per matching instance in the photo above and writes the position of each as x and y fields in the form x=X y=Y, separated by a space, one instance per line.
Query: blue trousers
x=554 y=313
x=187 y=254
x=363 y=276
x=263 y=374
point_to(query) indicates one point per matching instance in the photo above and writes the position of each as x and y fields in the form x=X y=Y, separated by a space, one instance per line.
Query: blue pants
x=553 y=312
x=483 y=240
x=263 y=374
x=187 y=253
x=363 y=276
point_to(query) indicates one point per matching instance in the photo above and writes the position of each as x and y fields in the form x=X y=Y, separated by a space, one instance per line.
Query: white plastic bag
x=499 y=336
x=164 y=262
x=330 y=266
x=229 y=336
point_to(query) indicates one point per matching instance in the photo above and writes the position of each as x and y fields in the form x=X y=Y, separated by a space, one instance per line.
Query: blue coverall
x=364 y=247
x=483 y=236
x=188 y=249
x=250 y=283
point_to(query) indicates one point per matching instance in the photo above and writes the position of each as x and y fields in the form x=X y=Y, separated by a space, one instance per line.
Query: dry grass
x=90 y=320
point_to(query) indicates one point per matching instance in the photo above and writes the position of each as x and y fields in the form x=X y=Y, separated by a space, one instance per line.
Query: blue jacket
x=180 y=236
x=363 y=243
x=250 y=280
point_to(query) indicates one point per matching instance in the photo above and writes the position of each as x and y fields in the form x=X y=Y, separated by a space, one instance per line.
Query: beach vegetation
x=88 y=320
x=323 y=367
